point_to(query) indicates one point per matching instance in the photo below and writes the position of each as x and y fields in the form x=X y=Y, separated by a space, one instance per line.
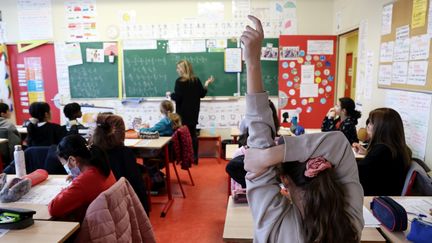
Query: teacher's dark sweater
x=187 y=96
x=380 y=174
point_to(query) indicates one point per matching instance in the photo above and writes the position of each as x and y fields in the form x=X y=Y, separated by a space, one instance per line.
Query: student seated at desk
x=91 y=175
x=235 y=167
x=342 y=117
x=9 y=128
x=319 y=171
x=72 y=111
x=383 y=170
x=110 y=135
x=40 y=131
x=169 y=123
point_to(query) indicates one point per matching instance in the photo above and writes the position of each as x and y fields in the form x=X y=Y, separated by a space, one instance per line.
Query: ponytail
x=175 y=120
x=75 y=145
x=349 y=105
x=324 y=203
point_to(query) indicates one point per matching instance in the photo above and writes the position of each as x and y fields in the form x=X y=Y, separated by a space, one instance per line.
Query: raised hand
x=252 y=39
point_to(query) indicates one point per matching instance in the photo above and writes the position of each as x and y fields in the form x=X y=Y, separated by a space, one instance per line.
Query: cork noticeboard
x=402 y=15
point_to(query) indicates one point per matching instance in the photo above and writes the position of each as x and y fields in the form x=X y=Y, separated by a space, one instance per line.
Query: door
x=348 y=74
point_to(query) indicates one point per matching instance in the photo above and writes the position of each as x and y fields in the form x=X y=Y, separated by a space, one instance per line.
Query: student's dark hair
x=349 y=105
x=325 y=205
x=110 y=131
x=38 y=110
x=388 y=130
x=71 y=110
x=3 y=107
x=75 y=145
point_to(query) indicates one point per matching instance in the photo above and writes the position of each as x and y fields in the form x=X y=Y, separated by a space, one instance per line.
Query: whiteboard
x=414 y=109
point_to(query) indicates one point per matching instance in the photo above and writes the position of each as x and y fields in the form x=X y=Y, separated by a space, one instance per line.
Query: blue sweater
x=164 y=127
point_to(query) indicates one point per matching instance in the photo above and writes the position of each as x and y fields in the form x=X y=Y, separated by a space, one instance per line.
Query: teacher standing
x=187 y=95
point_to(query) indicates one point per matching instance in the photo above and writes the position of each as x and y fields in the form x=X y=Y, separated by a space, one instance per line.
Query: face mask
x=66 y=167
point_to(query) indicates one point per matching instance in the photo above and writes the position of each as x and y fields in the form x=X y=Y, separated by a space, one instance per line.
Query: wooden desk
x=395 y=237
x=42 y=231
x=217 y=139
x=41 y=209
x=239 y=225
x=160 y=143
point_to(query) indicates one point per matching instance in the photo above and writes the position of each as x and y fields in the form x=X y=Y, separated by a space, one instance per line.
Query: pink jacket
x=116 y=215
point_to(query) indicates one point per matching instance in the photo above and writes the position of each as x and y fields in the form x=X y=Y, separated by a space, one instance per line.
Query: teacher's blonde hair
x=188 y=74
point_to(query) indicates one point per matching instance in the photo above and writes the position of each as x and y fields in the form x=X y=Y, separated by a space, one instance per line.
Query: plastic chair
x=183 y=153
x=417 y=182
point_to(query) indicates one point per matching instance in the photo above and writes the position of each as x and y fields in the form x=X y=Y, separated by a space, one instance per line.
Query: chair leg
x=178 y=179
x=190 y=176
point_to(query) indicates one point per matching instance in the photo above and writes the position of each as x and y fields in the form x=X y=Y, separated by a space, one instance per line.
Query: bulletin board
x=306 y=78
x=406 y=58
x=33 y=75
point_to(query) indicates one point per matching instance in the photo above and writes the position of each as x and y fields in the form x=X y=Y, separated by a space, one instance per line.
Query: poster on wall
x=34 y=19
x=306 y=79
x=81 y=20
x=34 y=78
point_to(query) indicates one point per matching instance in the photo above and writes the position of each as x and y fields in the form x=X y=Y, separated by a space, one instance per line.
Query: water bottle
x=20 y=167
x=212 y=128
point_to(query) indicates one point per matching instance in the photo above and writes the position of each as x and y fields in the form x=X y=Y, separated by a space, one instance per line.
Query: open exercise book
x=44 y=192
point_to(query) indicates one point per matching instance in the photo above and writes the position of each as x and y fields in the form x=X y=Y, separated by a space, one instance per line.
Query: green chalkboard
x=92 y=79
x=150 y=73
x=269 y=72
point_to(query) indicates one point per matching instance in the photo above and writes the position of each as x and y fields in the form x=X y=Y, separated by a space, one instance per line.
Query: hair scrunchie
x=315 y=166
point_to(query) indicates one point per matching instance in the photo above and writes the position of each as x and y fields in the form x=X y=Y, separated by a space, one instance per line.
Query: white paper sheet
x=370 y=220
x=139 y=45
x=400 y=72
x=240 y=9
x=131 y=142
x=401 y=50
x=94 y=55
x=320 y=47
x=417 y=72
x=35 y=19
x=80 y=20
x=186 y=46
x=307 y=74
x=402 y=32
x=43 y=194
x=211 y=11
x=386 y=19
x=419 y=47
x=233 y=62
x=386 y=51
x=416 y=206
x=414 y=108
x=385 y=74
x=309 y=90
x=73 y=54
x=3 y=232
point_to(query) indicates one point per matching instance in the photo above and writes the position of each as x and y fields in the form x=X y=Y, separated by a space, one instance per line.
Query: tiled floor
x=200 y=216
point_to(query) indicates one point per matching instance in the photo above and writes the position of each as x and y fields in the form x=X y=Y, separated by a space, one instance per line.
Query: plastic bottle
x=20 y=167
x=212 y=128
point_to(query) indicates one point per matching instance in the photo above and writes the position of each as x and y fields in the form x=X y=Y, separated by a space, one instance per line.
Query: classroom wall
x=167 y=11
x=352 y=12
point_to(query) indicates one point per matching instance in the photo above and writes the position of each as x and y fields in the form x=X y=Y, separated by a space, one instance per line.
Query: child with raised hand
x=169 y=123
x=319 y=171
x=40 y=131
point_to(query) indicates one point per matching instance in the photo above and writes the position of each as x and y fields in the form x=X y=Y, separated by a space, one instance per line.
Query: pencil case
x=421 y=231
x=390 y=213
x=149 y=135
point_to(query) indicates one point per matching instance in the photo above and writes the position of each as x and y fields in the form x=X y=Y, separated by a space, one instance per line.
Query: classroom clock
x=112 y=32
